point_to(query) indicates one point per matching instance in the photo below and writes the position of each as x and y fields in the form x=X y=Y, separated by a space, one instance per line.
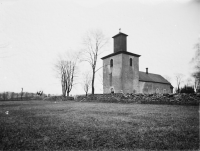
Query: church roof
x=124 y=52
x=150 y=77
x=120 y=34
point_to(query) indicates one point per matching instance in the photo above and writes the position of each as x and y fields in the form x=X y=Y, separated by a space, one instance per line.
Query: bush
x=187 y=89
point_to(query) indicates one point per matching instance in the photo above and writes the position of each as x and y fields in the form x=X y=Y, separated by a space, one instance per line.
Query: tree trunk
x=93 y=76
x=86 y=94
x=63 y=90
x=21 y=93
x=64 y=93
x=67 y=94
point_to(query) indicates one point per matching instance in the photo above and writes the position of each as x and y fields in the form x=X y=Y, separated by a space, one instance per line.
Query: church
x=121 y=72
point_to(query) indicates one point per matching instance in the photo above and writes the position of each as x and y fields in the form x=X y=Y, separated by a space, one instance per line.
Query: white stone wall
x=130 y=74
x=116 y=74
x=150 y=87
x=125 y=78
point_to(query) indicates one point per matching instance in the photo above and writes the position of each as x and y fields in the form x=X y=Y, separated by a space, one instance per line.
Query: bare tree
x=17 y=96
x=12 y=95
x=196 y=82
x=22 y=93
x=94 y=42
x=86 y=82
x=178 y=77
x=189 y=81
x=168 y=78
x=66 y=68
x=196 y=61
x=5 y=96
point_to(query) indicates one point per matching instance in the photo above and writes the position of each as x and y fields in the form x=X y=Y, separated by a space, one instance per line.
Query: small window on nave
x=131 y=61
x=111 y=63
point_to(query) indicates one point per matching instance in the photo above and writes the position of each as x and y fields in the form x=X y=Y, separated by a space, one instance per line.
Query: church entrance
x=112 y=90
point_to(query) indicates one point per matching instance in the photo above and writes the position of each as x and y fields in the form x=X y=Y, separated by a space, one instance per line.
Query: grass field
x=43 y=125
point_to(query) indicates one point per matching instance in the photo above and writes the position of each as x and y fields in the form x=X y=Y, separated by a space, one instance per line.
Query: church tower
x=121 y=68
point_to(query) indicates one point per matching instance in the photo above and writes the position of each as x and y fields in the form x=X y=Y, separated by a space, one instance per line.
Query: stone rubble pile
x=179 y=99
x=176 y=99
x=116 y=97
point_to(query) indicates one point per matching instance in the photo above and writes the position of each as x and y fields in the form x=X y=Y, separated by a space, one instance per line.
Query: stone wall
x=171 y=99
x=101 y=97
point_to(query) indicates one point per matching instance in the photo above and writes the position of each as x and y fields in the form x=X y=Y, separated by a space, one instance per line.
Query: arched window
x=157 y=90
x=164 y=90
x=111 y=63
x=131 y=61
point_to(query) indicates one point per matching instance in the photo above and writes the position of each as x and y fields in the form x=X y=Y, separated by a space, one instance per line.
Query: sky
x=33 y=33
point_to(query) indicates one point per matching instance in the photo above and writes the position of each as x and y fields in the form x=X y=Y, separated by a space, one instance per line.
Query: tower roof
x=120 y=33
x=120 y=46
x=124 y=52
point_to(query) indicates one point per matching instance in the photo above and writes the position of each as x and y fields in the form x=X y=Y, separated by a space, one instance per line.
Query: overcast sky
x=34 y=32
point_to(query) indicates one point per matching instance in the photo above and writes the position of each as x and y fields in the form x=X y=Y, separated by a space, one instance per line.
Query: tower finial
x=119 y=30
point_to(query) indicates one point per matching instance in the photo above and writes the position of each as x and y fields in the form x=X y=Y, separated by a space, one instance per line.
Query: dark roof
x=119 y=34
x=150 y=77
x=124 y=52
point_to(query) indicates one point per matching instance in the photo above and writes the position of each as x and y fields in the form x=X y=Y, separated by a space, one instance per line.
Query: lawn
x=45 y=125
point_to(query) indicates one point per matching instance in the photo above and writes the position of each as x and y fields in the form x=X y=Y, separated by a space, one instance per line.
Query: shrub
x=187 y=89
